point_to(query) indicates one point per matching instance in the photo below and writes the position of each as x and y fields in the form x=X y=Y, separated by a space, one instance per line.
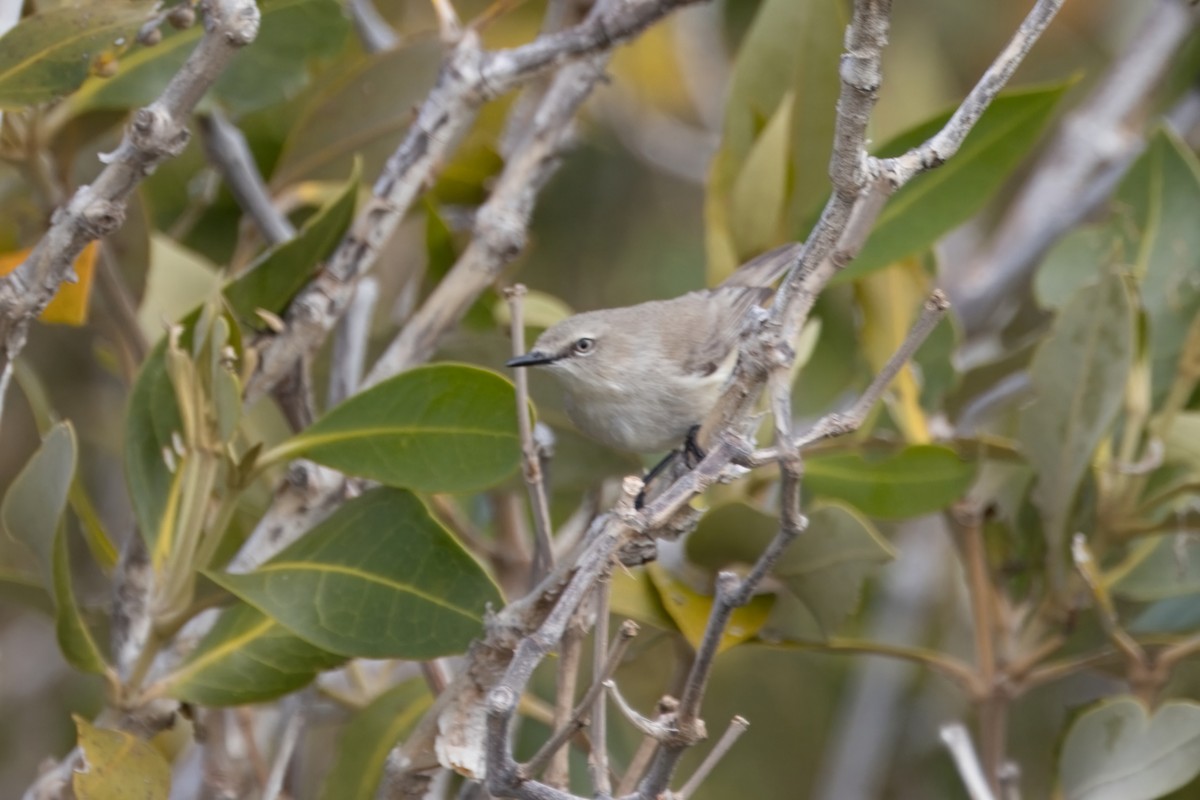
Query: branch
x=958 y=742
x=156 y=133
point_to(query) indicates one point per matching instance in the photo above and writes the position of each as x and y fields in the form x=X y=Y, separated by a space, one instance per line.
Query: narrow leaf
x=916 y=480
x=379 y=579
x=272 y=280
x=247 y=657
x=1078 y=375
x=440 y=428
x=74 y=639
x=368 y=738
x=1118 y=751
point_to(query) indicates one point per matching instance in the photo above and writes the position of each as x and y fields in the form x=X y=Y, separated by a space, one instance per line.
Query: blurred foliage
x=1102 y=443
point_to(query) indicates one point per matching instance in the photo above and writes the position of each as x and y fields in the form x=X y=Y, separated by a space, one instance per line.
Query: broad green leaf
x=74 y=639
x=824 y=567
x=150 y=419
x=1165 y=566
x=247 y=657
x=1159 y=193
x=118 y=766
x=1173 y=615
x=1119 y=751
x=379 y=579
x=1075 y=261
x=177 y=278
x=1078 y=376
x=940 y=200
x=275 y=277
x=271 y=70
x=759 y=193
x=365 y=113
x=36 y=498
x=691 y=610
x=916 y=480
x=49 y=54
x=439 y=428
x=792 y=47
x=367 y=739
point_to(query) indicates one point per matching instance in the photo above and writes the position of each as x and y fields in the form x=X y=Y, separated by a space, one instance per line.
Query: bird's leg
x=693 y=453
x=654 y=472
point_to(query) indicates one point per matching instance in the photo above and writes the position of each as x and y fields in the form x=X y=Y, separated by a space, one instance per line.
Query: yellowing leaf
x=760 y=189
x=69 y=306
x=890 y=300
x=118 y=766
x=691 y=611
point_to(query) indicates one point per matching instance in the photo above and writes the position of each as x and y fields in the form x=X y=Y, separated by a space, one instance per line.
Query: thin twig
x=228 y=152
x=737 y=726
x=372 y=29
x=570 y=656
x=350 y=340
x=598 y=760
x=283 y=756
x=531 y=459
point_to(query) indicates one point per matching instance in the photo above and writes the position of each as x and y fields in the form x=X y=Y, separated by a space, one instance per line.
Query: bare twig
x=570 y=656
x=531 y=459
x=372 y=29
x=228 y=152
x=1094 y=145
x=737 y=726
x=350 y=340
x=156 y=133
x=283 y=756
x=598 y=761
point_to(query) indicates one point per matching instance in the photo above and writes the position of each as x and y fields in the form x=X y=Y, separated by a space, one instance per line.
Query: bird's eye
x=584 y=346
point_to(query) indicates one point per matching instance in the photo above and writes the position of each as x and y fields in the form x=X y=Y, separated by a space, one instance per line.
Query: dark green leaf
x=47 y=55
x=1117 y=751
x=440 y=428
x=824 y=567
x=368 y=738
x=363 y=114
x=270 y=71
x=1078 y=376
x=379 y=579
x=938 y=201
x=275 y=277
x=247 y=657
x=917 y=480
x=152 y=416
x=1166 y=566
x=74 y=638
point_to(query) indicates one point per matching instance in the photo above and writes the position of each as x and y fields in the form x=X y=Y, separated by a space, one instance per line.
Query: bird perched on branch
x=641 y=378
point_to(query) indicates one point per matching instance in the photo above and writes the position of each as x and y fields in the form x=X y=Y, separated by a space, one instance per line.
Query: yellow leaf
x=69 y=306
x=118 y=766
x=691 y=610
x=891 y=299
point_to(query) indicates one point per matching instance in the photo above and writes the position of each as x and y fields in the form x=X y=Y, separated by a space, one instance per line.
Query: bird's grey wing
x=766 y=268
x=724 y=317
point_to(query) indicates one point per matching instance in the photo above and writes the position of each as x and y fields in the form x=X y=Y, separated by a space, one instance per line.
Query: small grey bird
x=640 y=378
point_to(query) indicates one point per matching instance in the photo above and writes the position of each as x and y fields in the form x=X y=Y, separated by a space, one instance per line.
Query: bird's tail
x=767 y=268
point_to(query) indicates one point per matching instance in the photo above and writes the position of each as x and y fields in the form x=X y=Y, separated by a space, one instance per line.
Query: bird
x=641 y=378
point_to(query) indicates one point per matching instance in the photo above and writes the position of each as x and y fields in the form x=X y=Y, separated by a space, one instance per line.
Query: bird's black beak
x=531 y=359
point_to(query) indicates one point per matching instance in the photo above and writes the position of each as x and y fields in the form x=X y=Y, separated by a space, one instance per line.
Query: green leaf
x=824 y=567
x=1074 y=262
x=1117 y=751
x=916 y=480
x=1078 y=376
x=936 y=202
x=247 y=657
x=275 y=277
x=272 y=69
x=367 y=739
x=440 y=428
x=118 y=766
x=792 y=47
x=36 y=498
x=365 y=114
x=150 y=419
x=74 y=639
x=760 y=190
x=47 y=55
x=1160 y=193
x=379 y=579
